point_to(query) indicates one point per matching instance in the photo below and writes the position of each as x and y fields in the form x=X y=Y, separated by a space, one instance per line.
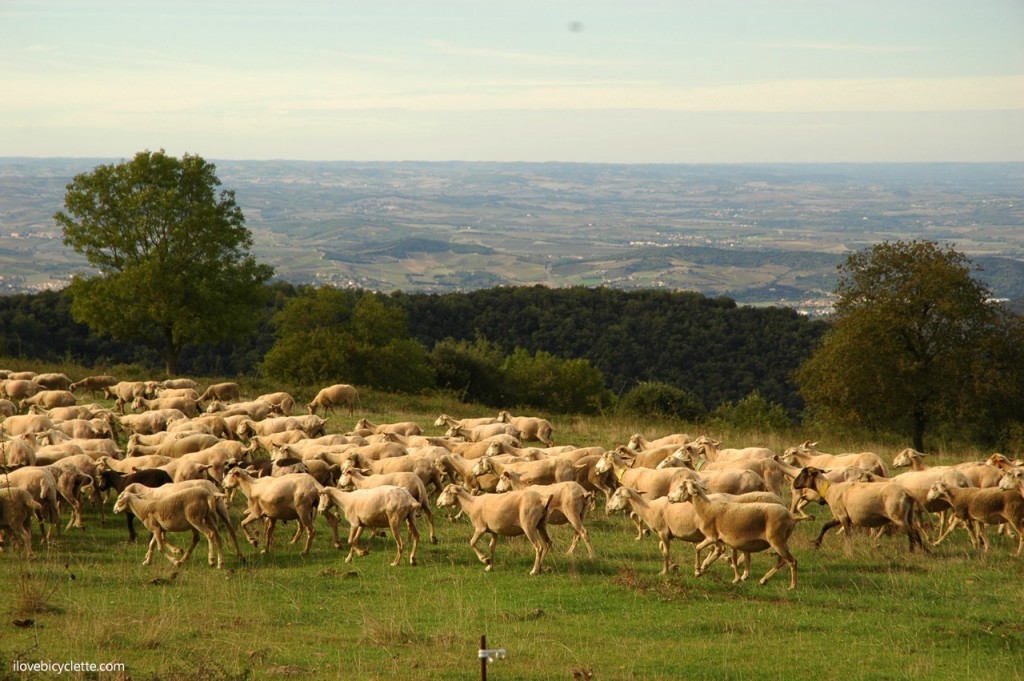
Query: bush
x=471 y=370
x=660 y=400
x=753 y=412
x=547 y=382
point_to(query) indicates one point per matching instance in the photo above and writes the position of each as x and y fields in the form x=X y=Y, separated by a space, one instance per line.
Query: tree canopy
x=915 y=343
x=172 y=254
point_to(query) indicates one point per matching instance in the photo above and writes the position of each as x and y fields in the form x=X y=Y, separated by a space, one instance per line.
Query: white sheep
x=748 y=528
x=386 y=506
x=192 y=509
x=986 y=506
x=569 y=505
x=16 y=510
x=509 y=515
x=806 y=455
x=289 y=497
x=339 y=394
x=531 y=428
x=352 y=477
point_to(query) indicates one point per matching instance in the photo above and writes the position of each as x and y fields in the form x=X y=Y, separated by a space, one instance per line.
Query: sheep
x=986 y=506
x=173 y=383
x=510 y=514
x=639 y=443
x=591 y=480
x=708 y=448
x=16 y=510
x=188 y=393
x=543 y=472
x=411 y=482
x=42 y=485
x=768 y=469
x=70 y=481
x=186 y=406
x=569 y=504
x=78 y=411
x=805 y=455
x=446 y=421
x=49 y=399
x=176 y=447
x=19 y=389
x=386 y=506
x=255 y=409
x=7 y=408
x=980 y=473
x=474 y=450
x=118 y=481
x=134 y=463
x=312 y=425
x=748 y=528
x=194 y=509
x=26 y=423
x=863 y=504
x=481 y=433
x=289 y=497
x=402 y=428
x=151 y=422
x=225 y=392
x=282 y=402
x=94 y=384
x=125 y=392
x=94 y=447
x=531 y=428
x=53 y=381
x=18 y=451
x=340 y=394
x=85 y=429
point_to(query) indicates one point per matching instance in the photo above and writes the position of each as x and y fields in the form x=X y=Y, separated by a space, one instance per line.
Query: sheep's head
x=1013 y=480
x=494 y=449
x=937 y=491
x=504 y=483
x=449 y=496
x=231 y=479
x=312 y=407
x=687 y=490
x=504 y=416
x=676 y=459
x=618 y=501
x=634 y=442
x=483 y=466
x=441 y=420
x=325 y=501
x=605 y=463
x=346 y=481
x=905 y=458
x=121 y=505
x=805 y=479
x=999 y=461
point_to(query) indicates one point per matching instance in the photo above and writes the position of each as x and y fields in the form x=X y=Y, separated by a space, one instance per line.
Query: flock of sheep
x=186 y=454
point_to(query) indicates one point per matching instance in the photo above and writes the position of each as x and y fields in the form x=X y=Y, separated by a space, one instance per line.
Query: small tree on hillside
x=915 y=343
x=172 y=254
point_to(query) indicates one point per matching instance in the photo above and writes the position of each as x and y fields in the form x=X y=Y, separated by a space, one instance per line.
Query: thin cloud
x=862 y=48
x=446 y=48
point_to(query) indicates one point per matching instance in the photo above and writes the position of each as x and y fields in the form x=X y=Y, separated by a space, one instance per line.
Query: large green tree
x=172 y=254
x=916 y=343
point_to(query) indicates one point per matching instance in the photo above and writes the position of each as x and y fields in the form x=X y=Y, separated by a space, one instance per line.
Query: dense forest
x=716 y=350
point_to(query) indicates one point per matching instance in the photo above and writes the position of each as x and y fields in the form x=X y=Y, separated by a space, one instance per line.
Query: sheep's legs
x=311 y=530
x=332 y=520
x=825 y=528
x=577 y=524
x=490 y=553
x=663 y=544
x=481 y=556
x=784 y=557
x=188 y=552
x=222 y=513
x=396 y=532
x=353 y=543
x=250 y=518
x=415 y=534
x=268 y=535
x=430 y=520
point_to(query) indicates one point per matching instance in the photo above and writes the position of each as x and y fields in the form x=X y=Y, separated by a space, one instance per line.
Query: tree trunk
x=920 y=420
x=171 y=352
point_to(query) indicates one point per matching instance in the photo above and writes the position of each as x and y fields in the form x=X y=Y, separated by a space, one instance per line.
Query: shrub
x=661 y=400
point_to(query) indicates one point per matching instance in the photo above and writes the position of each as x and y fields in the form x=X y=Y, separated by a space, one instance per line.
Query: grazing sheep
x=980 y=473
x=386 y=506
x=177 y=383
x=16 y=510
x=85 y=429
x=282 y=402
x=978 y=507
x=150 y=422
x=863 y=504
x=125 y=392
x=118 y=481
x=542 y=472
x=7 y=408
x=194 y=509
x=39 y=482
x=411 y=482
x=569 y=505
x=175 y=447
x=510 y=514
x=225 y=392
x=18 y=451
x=805 y=455
x=531 y=428
x=748 y=528
x=340 y=394
x=708 y=448
x=19 y=424
x=255 y=409
x=19 y=389
x=768 y=469
x=289 y=497
x=189 y=393
x=185 y=405
x=94 y=384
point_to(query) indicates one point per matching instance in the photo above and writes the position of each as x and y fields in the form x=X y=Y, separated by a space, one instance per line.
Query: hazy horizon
x=655 y=81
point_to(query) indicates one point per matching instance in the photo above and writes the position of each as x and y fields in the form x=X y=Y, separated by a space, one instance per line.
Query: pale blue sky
x=633 y=81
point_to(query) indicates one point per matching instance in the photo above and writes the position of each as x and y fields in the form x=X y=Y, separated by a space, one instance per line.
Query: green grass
x=859 y=612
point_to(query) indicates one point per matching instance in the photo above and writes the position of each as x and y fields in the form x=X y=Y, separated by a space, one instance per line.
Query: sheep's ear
x=640 y=492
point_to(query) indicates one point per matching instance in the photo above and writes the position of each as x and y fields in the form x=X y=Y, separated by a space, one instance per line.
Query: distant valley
x=762 y=234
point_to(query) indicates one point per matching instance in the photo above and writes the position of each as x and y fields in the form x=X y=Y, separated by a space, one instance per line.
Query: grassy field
x=860 y=612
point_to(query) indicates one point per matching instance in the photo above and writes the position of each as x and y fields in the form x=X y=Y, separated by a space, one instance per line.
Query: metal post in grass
x=487 y=655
